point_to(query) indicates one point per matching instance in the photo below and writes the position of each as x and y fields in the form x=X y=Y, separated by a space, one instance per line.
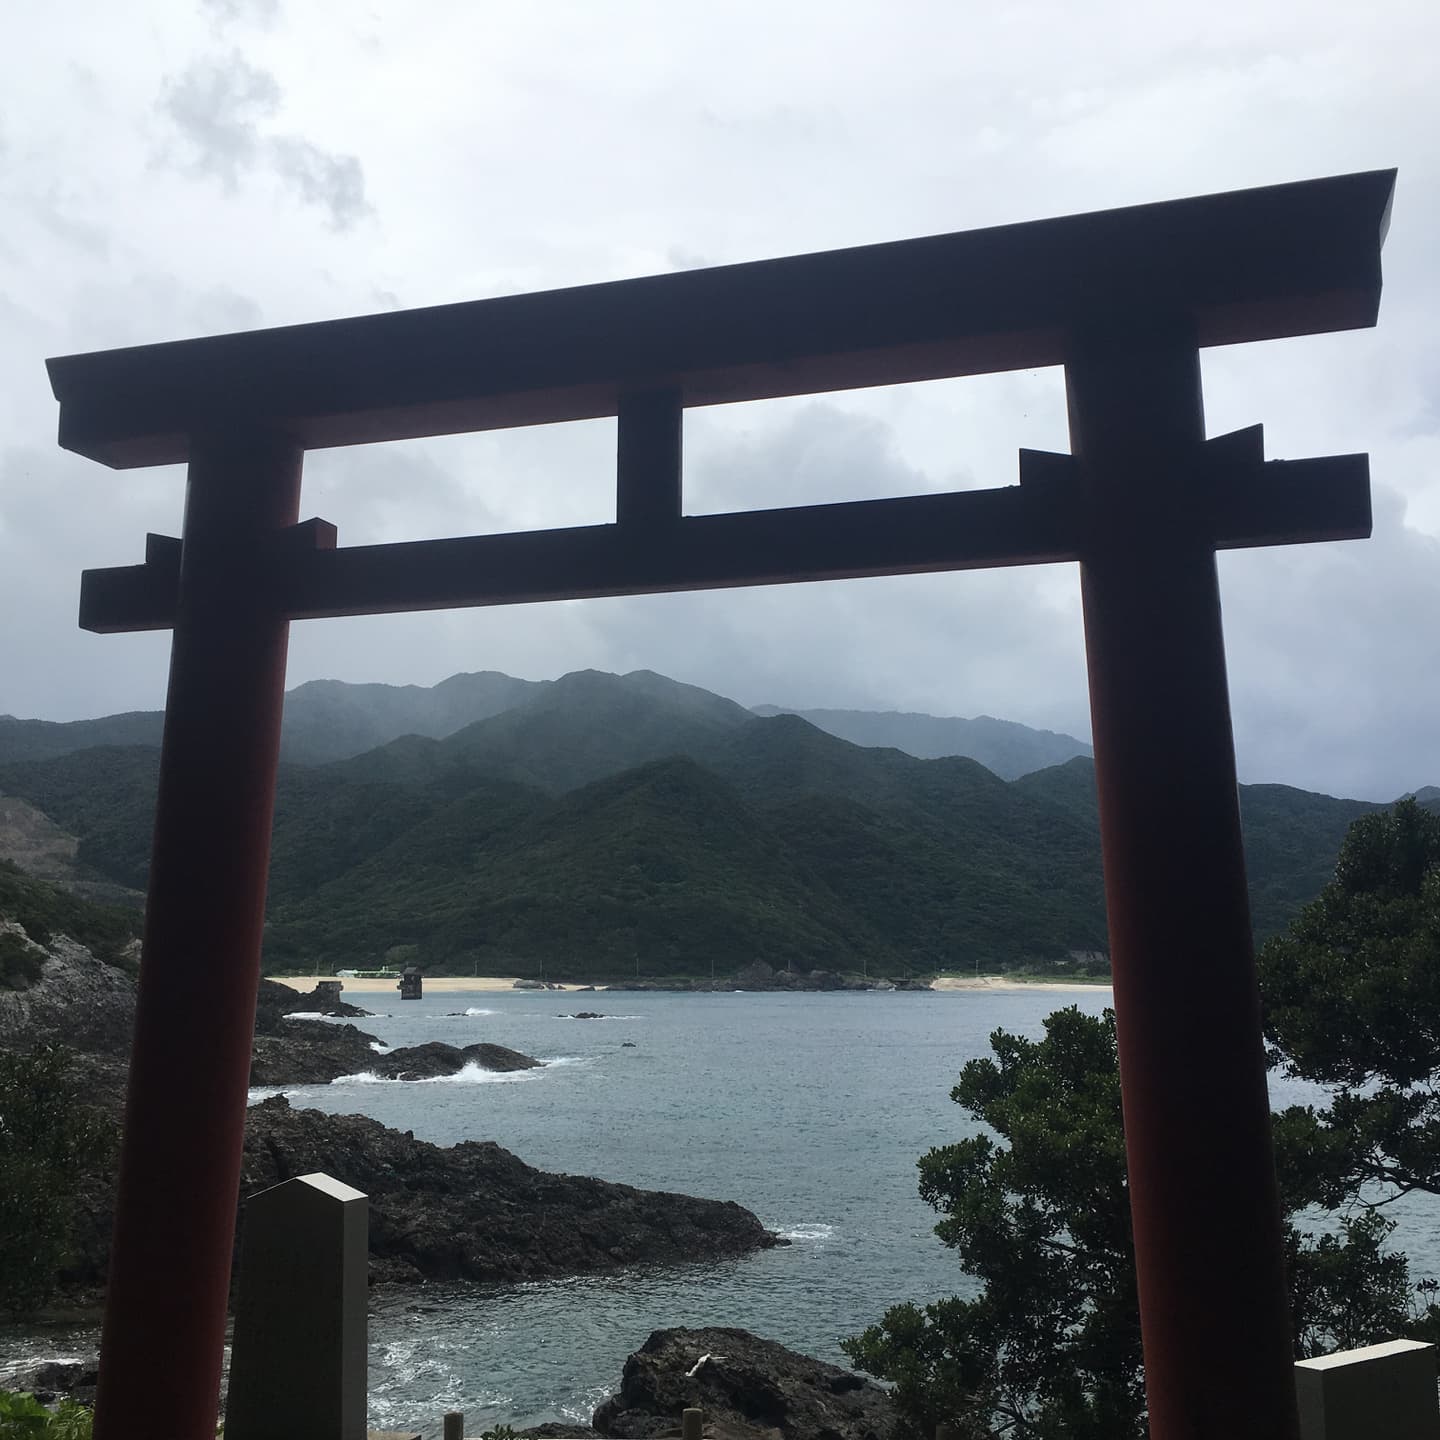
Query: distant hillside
x=1004 y=746
x=329 y=720
x=604 y=823
x=324 y=719
x=42 y=739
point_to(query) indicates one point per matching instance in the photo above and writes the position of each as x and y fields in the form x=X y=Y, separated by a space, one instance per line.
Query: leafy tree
x=1050 y=1346
x=1352 y=1000
x=49 y=1137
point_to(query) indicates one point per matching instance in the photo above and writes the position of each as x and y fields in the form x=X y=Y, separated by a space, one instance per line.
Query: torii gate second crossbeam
x=1123 y=299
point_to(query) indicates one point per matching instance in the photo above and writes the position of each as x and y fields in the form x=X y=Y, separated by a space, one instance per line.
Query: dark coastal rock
x=470 y=1212
x=77 y=1001
x=583 y=1015
x=311 y=1052
x=435 y=1058
x=317 y=999
x=476 y=1212
x=52 y=1380
x=749 y=1389
x=274 y=1001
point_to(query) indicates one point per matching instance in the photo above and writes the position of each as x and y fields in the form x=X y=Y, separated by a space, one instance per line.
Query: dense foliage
x=1352 y=1000
x=49 y=1137
x=1050 y=1346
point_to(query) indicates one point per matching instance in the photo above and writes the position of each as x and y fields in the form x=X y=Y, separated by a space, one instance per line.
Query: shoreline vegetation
x=451 y=984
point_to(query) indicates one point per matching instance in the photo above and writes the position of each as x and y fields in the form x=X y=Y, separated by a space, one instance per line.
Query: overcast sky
x=170 y=169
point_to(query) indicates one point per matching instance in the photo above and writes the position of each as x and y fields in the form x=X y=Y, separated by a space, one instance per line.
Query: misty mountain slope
x=22 y=740
x=590 y=724
x=609 y=816
x=1004 y=746
x=330 y=719
x=771 y=760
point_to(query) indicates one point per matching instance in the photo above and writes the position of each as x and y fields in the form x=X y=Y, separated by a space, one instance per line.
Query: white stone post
x=1379 y=1391
x=298 y=1362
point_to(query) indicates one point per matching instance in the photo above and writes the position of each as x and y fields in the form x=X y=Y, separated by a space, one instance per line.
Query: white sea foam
x=474 y=1010
x=471 y=1074
x=307 y=1015
x=380 y=1047
x=801 y=1233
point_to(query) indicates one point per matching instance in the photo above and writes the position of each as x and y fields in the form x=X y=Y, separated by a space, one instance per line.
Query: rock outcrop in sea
x=474 y=1211
x=749 y=1389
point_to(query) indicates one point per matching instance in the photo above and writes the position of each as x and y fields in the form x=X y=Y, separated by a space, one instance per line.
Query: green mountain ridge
x=608 y=823
x=1004 y=746
x=330 y=720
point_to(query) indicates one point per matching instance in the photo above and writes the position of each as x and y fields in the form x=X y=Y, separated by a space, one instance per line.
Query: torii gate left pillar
x=185 y=1108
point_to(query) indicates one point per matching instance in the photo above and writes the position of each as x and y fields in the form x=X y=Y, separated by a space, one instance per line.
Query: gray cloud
x=217 y=106
x=229 y=12
x=333 y=183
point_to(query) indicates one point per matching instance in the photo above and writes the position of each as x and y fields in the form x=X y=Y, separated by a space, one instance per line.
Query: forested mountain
x=329 y=720
x=1009 y=749
x=605 y=823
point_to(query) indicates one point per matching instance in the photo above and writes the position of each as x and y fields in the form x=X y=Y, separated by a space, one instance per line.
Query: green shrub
x=23 y=1417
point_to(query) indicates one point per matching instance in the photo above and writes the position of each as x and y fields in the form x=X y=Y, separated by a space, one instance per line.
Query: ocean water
x=810 y=1110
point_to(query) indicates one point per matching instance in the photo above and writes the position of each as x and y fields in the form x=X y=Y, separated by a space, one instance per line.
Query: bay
x=809 y=1109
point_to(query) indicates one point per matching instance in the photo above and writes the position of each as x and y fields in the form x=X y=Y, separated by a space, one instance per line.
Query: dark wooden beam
x=1247 y=265
x=1289 y=503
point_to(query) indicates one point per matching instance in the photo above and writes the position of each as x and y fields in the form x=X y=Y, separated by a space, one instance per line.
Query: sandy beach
x=444 y=984
x=999 y=982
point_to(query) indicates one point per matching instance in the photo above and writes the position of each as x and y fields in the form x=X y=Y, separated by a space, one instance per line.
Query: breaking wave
x=801 y=1233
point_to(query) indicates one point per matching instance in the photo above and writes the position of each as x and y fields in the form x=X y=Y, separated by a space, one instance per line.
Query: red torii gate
x=1123 y=299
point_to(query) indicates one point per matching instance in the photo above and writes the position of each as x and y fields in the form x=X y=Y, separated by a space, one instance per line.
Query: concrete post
x=692 y=1423
x=454 y=1424
x=1379 y=1390
x=298 y=1362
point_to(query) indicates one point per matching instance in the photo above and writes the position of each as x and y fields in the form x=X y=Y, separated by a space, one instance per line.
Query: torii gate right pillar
x=1208 y=1241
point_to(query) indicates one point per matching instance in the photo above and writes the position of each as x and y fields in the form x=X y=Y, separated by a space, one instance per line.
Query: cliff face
x=77 y=1002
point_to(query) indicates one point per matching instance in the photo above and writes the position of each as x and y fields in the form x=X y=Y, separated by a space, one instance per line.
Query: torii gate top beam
x=1247 y=265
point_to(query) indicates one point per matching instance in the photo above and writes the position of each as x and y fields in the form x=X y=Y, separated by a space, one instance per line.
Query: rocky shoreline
x=749 y=1388
x=469 y=1212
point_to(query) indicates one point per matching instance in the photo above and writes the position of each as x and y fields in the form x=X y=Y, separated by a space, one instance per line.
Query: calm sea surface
x=810 y=1110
